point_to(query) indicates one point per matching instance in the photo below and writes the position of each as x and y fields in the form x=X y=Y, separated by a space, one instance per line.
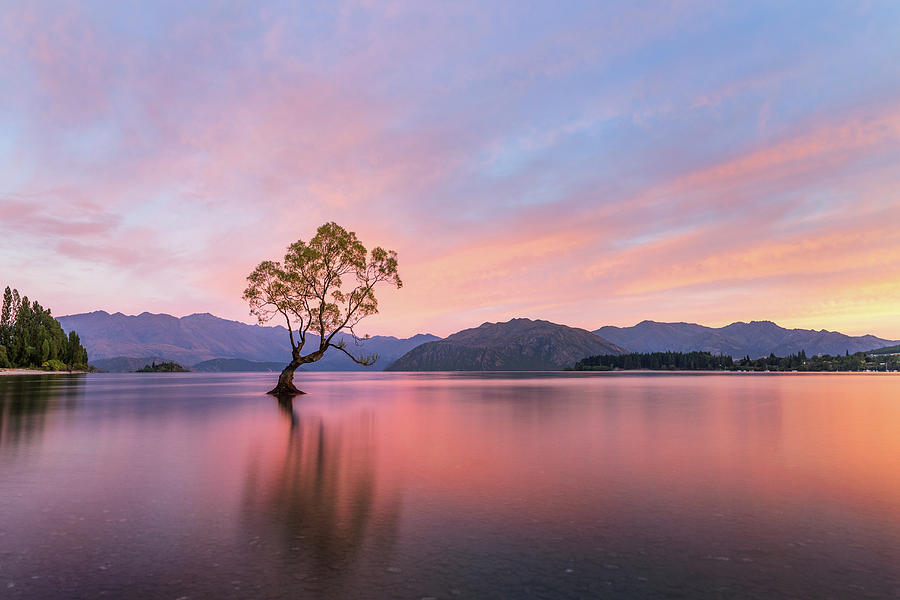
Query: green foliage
x=859 y=361
x=163 y=367
x=887 y=350
x=54 y=365
x=6 y=315
x=30 y=337
x=656 y=361
x=325 y=285
x=704 y=361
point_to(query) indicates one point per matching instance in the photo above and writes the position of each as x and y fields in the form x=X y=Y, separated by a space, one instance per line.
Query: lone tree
x=324 y=286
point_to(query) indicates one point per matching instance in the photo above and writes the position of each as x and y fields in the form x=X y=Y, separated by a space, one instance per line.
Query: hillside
x=237 y=365
x=756 y=339
x=124 y=364
x=201 y=337
x=516 y=345
x=888 y=350
x=163 y=367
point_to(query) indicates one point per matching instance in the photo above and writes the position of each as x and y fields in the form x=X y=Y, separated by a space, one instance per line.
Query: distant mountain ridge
x=237 y=365
x=116 y=342
x=516 y=345
x=202 y=337
x=755 y=339
x=125 y=364
x=888 y=350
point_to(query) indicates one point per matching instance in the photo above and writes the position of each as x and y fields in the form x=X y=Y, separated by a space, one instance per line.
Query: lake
x=496 y=485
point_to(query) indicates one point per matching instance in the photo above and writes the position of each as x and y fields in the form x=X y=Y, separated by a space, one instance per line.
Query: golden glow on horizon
x=615 y=188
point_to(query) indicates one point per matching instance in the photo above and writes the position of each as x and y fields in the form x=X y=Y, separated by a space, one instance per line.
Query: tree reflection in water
x=25 y=401
x=321 y=497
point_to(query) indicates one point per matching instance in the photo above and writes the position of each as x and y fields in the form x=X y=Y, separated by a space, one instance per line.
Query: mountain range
x=126 y=364
x=118 y=342
x=516 y=345
x=755 y=339
x=201 y=337
x=238 y=365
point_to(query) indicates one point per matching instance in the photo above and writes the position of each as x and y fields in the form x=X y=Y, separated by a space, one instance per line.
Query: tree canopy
x=705 y=361
x=323 y=286
x=31 y=338
x=681 y=361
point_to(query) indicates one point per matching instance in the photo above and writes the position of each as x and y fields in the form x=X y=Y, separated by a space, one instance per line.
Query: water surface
x=449 y=486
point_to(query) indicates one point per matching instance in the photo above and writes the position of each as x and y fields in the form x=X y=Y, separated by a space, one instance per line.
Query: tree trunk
x=286 y=387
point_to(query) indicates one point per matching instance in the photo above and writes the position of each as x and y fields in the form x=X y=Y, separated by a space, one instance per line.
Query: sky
x=588 y=163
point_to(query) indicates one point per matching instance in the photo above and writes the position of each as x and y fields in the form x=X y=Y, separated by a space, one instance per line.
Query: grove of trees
x=163 y=367
x=859 y=361
x=705 y=361
x=656 y=361
x=31 y=338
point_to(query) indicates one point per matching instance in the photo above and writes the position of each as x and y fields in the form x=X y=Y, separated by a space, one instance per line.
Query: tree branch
x=365 y=360
x=351 y=311
x=290 y=331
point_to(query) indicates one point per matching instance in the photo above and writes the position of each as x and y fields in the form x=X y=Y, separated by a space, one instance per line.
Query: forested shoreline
x=656 y=361
x=706 y=361
x=30 y=338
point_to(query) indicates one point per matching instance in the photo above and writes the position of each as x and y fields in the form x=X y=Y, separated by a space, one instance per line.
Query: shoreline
x=13 y=372
x=734 y=372
x=38 y=372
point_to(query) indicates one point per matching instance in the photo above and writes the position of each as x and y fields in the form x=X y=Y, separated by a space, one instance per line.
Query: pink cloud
x=217 y=150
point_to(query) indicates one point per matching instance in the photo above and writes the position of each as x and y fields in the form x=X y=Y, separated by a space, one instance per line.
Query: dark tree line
x=656 y=361
x=163 y=367
x=859 y=361
x=31 y=338
x=793 y=362
x=704 y=361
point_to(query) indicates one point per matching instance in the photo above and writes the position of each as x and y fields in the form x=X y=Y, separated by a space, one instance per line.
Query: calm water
x=447 y=486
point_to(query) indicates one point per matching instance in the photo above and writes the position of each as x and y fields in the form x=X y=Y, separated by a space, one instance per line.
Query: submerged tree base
x=285 y=390
x=285 y=387
x=325 y=286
